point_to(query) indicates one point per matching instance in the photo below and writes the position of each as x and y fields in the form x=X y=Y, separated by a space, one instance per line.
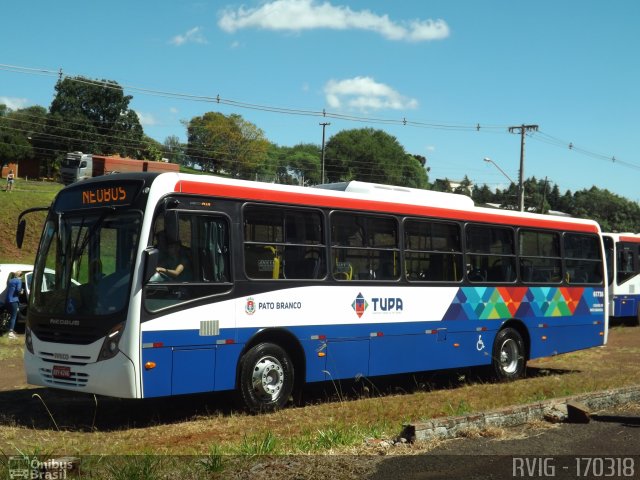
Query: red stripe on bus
x=629 y=239
x=315 y=200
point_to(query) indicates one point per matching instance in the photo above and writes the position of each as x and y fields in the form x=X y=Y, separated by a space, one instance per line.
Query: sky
x=446 y=78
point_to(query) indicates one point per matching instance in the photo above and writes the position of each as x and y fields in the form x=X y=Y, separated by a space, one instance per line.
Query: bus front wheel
x=266 y=378
x=508 y=360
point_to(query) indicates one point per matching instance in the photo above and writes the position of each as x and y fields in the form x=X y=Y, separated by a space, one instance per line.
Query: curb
x=452 y=427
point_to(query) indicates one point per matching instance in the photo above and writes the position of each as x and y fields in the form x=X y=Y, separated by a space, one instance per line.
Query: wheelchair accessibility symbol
x=480 y=344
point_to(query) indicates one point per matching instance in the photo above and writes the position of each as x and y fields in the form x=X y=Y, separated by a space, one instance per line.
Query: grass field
x=345 y=422
x=335 y=421
x=26 y=194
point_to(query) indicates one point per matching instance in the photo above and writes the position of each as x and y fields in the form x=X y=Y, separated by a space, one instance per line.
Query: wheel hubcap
x=509 y=356
x=268 y=378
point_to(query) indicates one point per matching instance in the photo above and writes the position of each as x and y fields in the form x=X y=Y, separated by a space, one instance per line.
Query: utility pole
x=324 y=125
x=523 y=129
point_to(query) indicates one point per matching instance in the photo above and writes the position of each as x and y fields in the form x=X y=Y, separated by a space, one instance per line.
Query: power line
x=540 y=136
x=253 y=106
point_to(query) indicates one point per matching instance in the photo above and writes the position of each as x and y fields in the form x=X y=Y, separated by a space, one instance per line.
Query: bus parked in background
x=169 y=284
x=623 y=266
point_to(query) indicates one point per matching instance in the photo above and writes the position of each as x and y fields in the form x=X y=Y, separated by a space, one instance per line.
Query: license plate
x=61 y=372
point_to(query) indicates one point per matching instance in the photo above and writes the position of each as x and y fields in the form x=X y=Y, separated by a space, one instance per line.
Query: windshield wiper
x=90 y=232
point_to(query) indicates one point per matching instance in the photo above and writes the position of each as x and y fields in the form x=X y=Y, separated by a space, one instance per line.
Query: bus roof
x=624 y=236
x=371 y=197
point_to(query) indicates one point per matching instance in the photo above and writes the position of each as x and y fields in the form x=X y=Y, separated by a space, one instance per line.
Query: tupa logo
x=359 y=305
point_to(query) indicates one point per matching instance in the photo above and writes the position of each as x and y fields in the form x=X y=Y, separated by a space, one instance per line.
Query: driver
x=173 y=260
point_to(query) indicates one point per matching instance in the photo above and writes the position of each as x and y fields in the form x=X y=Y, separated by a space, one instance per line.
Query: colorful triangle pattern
x=495 y=303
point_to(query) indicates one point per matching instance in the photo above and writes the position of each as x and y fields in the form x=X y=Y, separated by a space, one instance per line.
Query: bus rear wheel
x=508 y=360
x=266 y=378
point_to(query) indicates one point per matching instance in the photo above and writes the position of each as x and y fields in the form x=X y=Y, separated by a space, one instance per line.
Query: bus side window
x=261 y=261
x=343 y=271
x=583 y=262
x=214 y=251
x=204 y=255
x=433 y=251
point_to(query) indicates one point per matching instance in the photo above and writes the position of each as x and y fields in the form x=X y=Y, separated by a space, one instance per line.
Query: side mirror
x=22 y=223
x=22 y=226
x=151 y=256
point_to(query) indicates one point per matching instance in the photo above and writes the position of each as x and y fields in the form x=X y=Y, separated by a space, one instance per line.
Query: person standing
x=10 y=179
x=14 y=285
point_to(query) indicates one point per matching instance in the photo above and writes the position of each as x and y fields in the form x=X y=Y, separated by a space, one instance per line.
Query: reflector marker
x=318 y=337
x=227 y=341
x=376 y=334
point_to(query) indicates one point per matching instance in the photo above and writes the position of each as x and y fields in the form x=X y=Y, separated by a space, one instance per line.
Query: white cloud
x=173 y=110
x=365 y=94
x=297 y=15
x=191 y=36
x=14 y=103
x=146 y=119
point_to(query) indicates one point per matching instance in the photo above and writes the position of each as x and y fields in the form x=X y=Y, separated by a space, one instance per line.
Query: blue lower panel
x=555 y=340
x=156 y=382
x=193 y=371
x=226 y=362
x=347 y=359
x=181 y=370
x=413 y=353
x=625 y=306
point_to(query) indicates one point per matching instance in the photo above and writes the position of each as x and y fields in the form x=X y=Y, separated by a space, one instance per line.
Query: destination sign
x=95 y=195
x=104 y=195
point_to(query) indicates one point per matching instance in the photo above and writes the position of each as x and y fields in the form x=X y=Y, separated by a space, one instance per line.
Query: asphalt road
x=607 y=447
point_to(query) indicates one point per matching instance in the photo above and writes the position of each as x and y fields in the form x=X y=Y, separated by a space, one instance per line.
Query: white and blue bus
x=623 y=267
x=281 y=286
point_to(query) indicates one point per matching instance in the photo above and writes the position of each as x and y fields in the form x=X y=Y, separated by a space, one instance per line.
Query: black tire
x=266 y=378
x=508 y=359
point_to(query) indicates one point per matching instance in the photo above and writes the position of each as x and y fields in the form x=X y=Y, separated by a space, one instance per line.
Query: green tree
x=483 y=195
x=18 y=129
x=442 y=185
x=613 y=212
x=227 y=145
x=465 y=187
x=414 y=173
x=94 y=116
x=174 y=150
x=304 y=162
x=152 y=150
x=371 y=156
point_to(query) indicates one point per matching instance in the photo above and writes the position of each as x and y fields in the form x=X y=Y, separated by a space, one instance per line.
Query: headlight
x=110 y=346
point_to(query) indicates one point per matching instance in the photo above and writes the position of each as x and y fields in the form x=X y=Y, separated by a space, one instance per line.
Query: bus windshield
x=85 y=263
